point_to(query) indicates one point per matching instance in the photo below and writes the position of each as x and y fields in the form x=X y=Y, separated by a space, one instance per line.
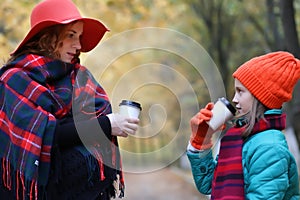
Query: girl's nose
x=234 y=100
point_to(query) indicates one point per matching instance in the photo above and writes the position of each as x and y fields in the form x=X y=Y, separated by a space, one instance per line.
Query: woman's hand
x=121 y=125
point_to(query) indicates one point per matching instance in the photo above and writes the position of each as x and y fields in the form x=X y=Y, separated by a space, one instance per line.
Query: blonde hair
x=46 y=43
x=256 y=114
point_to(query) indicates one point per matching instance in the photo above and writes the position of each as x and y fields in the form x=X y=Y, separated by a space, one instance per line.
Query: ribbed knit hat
x=270 y=78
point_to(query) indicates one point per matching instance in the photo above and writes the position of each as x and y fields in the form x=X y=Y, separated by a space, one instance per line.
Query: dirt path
x=164 y=184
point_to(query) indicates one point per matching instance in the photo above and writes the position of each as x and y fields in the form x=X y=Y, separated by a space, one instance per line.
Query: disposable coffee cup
x=222 y=112
x=130 y=109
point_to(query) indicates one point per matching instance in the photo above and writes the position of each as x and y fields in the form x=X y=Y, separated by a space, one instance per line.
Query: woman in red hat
x=58 y=137
x=254 y=161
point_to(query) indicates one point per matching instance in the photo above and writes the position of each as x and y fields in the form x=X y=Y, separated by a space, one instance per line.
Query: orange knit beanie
x=270 y=78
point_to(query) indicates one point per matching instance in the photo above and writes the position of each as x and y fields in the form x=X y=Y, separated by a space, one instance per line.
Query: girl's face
x=71 y=42
x=242 y=98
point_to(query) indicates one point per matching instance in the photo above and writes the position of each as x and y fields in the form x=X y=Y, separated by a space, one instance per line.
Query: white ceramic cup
x=222 y=112
x=130 y=108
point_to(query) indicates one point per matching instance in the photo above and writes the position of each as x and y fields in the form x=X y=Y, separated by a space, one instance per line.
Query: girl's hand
x=201 y=136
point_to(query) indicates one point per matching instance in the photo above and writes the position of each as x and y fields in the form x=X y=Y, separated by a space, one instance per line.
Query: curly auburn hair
x=46 y=43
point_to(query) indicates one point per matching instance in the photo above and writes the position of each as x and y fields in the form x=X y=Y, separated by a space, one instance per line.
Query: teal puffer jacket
x=270 y=170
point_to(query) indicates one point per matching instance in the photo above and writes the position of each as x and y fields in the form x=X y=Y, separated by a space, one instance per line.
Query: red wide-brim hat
x=52 y=12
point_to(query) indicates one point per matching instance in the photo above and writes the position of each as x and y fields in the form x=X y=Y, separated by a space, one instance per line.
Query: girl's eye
x=238 y=90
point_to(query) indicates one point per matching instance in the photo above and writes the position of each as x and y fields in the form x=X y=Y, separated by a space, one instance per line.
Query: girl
x=44 y=91
x=254 y=161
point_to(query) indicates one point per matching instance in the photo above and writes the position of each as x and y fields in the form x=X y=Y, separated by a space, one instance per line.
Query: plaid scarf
x=35 y=91
x=228 y=181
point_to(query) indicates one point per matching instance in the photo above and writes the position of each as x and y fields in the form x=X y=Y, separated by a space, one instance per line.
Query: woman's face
x=242 y=98
x=71 y=42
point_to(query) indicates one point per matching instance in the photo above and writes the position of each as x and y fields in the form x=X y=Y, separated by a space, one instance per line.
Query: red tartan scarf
x=35 y=91
x=228 y=181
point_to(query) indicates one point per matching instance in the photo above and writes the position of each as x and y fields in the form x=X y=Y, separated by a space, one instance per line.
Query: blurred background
x=170 y=88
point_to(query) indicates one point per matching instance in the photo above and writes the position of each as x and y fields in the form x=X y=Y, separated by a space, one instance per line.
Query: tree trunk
x=273 y=19
x=289 y=27
x=292 y=45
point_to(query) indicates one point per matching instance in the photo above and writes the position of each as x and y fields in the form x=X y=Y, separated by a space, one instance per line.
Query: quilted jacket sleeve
x=267 y=167
x=203 y=169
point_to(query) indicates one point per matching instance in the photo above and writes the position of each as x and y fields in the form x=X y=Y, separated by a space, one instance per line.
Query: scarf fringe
x=95 y=163
x=119 y=183
x=15 y=181
x=99 y=160
x=6 y=174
